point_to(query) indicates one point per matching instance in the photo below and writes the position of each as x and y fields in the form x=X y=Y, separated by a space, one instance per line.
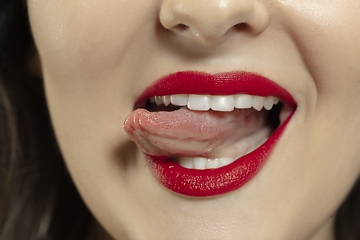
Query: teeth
x=226 y=161
x=217 y=103
x=158 y=100
x=186 y=162
x=201 y=163
x=212 y=164
x=166 y=100
x=258 y=102
x=276 y=100
x=243 y=101
x=199 y=102
x=222 y=103
x=179 y=99
x=269 y=102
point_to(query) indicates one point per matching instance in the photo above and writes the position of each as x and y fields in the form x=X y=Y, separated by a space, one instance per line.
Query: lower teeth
x=202 y=163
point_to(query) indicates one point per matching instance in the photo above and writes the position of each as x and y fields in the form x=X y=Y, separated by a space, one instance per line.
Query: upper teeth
x=216 y=102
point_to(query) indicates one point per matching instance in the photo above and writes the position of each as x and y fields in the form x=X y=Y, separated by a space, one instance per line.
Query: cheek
x=83 y=44
x=327 y=37
x=84 y=47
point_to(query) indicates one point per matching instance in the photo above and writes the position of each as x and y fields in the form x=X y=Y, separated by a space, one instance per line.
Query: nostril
x=181 y=27
x=241 y=26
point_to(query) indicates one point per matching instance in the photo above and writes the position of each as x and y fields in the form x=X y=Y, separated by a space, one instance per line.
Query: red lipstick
x=227 y=83
x=211 y=182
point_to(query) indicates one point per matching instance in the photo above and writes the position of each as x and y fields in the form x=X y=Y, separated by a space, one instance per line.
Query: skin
x=97 y=58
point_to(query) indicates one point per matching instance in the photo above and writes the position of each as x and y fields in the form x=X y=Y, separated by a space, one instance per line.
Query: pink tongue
x=190 y=133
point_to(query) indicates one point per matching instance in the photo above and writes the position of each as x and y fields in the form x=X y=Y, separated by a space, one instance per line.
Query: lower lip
x=212 y=182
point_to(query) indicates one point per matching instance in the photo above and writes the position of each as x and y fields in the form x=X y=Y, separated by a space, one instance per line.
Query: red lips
x=216 y=84
x=210 y=182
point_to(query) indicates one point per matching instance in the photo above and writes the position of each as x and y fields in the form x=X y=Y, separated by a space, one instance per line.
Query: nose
x=212 y=19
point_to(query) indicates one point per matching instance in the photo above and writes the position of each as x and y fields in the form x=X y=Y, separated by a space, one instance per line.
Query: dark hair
x=37 y=197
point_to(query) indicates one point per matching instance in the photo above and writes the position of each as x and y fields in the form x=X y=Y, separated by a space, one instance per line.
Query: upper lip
x=225 y=83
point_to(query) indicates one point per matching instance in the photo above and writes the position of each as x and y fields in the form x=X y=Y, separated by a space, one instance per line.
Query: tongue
x=191 y=133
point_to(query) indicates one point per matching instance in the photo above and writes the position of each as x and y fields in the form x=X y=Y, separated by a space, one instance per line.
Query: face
x=98 y=58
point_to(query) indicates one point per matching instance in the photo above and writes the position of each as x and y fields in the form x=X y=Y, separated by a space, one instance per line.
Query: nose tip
x=212 y=19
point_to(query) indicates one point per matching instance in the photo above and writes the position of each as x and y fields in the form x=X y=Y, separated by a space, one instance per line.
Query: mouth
x=205 y=135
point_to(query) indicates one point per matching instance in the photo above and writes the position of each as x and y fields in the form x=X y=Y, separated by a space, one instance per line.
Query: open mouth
x=204 y=134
